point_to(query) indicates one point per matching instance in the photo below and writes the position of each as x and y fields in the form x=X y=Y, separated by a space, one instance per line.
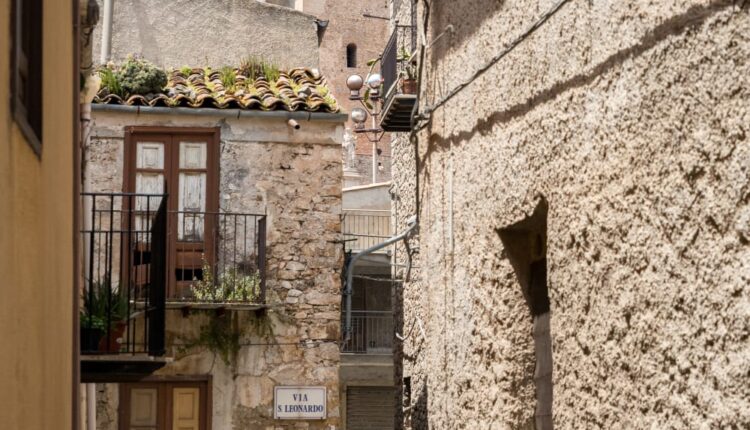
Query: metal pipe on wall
x=412 y=224
x=90 y=406
x=107 y=31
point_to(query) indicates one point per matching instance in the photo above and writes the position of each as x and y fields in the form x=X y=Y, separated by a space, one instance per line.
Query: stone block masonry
x=294 y=177
x=632 y=120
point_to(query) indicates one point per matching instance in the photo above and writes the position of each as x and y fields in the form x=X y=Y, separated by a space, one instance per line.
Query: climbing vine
x=223 y=332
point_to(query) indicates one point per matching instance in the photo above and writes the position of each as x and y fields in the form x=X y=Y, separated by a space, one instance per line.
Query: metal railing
x=365 y=228
x=219 y=257
x=372 y=333
x=125 y=250
x=394 y=61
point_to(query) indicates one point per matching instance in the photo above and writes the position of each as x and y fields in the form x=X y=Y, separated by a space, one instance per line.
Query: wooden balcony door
x=184 y=164
x=164 y=406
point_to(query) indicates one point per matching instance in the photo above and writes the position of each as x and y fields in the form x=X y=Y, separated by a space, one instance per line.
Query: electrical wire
x=426 y=114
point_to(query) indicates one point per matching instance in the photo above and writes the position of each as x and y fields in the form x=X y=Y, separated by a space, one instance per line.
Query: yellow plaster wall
x=36 y=239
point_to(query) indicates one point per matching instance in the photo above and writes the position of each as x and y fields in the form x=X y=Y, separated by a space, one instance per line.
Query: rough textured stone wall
x=631 y=118
x=213 y=33
x=295 y=178
x=404 y=183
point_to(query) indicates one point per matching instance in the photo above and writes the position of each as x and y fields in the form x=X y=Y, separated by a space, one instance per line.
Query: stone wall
x=212 y=33
x=295 y=178
x=631 y=119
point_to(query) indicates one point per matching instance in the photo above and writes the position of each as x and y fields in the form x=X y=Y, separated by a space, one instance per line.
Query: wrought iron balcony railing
x=141 y=258
x=372 y=333
x=125 y=251
x=219 y=257
x=399 y=79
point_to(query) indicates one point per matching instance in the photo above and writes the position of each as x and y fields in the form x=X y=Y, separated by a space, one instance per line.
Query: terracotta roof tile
x=294 y=90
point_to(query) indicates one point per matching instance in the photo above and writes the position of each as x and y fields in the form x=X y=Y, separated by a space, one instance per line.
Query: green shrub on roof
x=138 y=76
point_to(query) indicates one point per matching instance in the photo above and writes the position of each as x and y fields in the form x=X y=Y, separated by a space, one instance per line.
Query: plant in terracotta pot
x=408 y=72
x=103 y=309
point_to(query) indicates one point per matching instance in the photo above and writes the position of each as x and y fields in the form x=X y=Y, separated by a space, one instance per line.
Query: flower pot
x=111 y=344
x=409 y=86
x=90 y=338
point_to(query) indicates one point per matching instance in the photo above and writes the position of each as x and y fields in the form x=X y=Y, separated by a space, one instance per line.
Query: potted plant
x=103 y=310
x=408 y=73
x=92 y=331
x=236 y=284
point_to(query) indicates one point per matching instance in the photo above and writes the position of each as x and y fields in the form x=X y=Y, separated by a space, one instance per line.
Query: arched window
x=351 y=55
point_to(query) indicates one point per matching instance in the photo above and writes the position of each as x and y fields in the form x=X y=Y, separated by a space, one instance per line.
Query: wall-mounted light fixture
x=371 y=102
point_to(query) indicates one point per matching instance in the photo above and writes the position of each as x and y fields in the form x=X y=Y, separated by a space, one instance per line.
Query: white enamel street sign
x=299 y=403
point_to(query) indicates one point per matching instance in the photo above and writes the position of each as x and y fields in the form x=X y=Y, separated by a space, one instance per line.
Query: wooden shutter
x=144 y=409
x=141 y=406
x=27 y=69
x=165 y=405
x=186 y=410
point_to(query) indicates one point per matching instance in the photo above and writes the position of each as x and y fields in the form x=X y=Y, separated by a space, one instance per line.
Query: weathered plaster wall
x=210 y=32
x=295 y=178
x=632 y=119
x=37 y=235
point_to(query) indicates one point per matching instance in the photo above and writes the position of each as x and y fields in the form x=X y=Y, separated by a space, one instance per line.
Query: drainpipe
x=90 y=406
x=107 y=31
x=92 y=86
x=412 y=224
x=85 y=133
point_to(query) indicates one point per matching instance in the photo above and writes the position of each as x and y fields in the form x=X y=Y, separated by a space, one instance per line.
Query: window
x=351 y=55
x=27 y=70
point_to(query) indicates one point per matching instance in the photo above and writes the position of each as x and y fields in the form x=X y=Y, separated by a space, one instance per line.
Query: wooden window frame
x=135 y=134
x=164 y=384
x=27 y=70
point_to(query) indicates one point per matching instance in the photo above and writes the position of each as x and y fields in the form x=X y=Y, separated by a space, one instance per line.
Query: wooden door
x=164 y=405
x=147 y=171
x=183 y=164
x=141 y=406
x=186 y=408
x=195 y=208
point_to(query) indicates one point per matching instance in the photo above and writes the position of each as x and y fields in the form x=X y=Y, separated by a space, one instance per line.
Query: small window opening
x=407 y=391
x=351 y=55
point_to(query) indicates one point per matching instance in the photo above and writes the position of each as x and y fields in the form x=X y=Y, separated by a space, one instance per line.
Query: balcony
x=365 y=228
x=122 y=311
x=142 y=259
x=217 y=260
x=372 y=333
x=399 y=80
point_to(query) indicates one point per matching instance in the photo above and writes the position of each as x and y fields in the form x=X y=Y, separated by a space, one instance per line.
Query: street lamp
x=371 y=103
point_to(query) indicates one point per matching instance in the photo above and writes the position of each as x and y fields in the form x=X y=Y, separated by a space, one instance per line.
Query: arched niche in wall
x=525 y=244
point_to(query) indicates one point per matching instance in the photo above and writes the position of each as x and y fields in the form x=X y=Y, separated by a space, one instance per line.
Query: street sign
x=299 y=403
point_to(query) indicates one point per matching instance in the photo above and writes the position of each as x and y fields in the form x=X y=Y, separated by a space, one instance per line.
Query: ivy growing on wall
x=222 y=334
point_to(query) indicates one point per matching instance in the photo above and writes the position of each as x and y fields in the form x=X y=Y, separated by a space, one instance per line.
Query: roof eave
x=225 y=113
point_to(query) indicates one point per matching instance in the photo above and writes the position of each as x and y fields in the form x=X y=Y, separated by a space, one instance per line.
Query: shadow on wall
x=525 y=244
x=465 y=16
x=693 y=18
x=419 y=413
